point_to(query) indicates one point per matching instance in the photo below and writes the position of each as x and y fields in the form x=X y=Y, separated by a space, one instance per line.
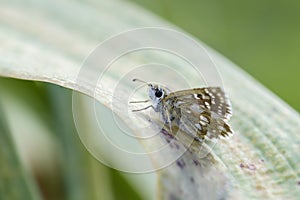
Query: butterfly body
x=200 y=112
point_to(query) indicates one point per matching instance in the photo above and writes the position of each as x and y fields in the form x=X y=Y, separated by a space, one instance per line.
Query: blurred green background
x=262 y=37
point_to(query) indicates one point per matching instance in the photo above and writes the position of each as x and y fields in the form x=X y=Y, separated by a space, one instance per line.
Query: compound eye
x=158 y=93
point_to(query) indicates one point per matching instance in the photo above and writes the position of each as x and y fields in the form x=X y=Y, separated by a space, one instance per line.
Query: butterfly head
x=155 y=92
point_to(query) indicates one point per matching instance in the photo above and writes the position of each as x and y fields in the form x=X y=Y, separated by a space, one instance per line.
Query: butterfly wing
x=200 y=112
x=213 y=99
x=204 y=124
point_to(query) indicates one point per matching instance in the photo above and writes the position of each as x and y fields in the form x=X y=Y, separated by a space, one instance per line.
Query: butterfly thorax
x=158 y=95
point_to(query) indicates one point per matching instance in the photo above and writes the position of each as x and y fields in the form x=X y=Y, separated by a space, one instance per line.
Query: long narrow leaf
x=15 y=182
x=260 y=161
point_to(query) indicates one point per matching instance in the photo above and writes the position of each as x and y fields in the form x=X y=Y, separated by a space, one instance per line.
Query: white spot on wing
x=202 y=118
x=203 y=123
x=207 y=104
x=196 y=96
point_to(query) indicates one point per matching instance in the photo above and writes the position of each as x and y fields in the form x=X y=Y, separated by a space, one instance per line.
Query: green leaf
x=259 y=162
x=15 y=183
x=81 y=173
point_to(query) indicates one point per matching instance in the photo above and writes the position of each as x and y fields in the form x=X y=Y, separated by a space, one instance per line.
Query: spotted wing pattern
x=200 y=112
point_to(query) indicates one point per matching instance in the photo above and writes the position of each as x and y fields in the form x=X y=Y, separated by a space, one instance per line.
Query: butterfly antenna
x=139 y=80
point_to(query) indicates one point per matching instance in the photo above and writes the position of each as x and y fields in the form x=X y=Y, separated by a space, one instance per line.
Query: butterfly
x=200 y=112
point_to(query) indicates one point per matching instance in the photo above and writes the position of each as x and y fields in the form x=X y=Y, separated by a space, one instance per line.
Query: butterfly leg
x=144 y=101
x=168 y=120
x=143 y=108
